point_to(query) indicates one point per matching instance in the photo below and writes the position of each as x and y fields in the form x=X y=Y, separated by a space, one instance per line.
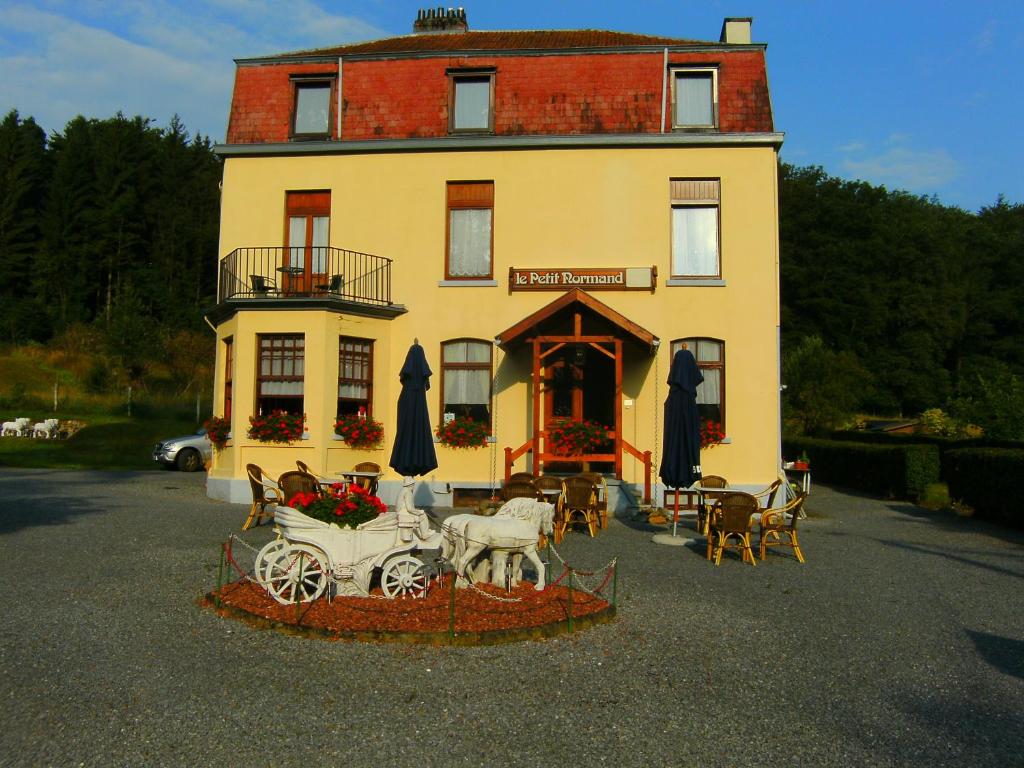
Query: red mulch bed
x=474 y=613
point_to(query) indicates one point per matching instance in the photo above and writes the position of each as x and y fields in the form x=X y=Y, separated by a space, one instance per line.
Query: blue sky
x=913 y=95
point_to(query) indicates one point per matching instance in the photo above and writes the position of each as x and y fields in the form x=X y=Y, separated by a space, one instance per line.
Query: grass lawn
x=107 y=442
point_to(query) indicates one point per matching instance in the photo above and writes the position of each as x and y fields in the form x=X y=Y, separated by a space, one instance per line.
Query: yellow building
x=550 y=214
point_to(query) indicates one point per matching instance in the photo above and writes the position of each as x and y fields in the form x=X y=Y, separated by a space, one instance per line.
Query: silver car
x=189 y=453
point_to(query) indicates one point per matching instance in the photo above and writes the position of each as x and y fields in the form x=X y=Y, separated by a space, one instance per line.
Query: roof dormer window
x=311 y=117
x=695 y=97
x=471 y=103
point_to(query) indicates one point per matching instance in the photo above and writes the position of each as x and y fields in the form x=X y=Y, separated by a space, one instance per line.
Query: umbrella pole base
x=670 y=540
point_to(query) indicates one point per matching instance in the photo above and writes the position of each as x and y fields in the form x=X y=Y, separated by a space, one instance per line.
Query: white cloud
x=901 y=166
x=150 y=57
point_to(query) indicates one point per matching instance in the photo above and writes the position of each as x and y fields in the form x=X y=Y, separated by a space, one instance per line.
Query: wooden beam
x=618 y=409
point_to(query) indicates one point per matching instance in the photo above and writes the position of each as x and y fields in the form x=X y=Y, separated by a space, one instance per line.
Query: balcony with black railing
x=296 y=277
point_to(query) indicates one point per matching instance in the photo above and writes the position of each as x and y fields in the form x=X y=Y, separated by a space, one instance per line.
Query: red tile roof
x=497 y=41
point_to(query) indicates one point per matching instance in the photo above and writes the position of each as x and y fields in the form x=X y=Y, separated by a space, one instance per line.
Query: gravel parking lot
x=899 y=643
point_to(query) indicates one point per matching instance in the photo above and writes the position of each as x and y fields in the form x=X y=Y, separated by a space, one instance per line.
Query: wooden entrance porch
x=562 y=337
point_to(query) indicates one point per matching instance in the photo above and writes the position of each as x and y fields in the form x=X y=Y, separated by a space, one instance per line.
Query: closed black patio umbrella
x=413 y=453
x=680 y=459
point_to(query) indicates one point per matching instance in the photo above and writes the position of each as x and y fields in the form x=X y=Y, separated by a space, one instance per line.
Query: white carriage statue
x=310 y=556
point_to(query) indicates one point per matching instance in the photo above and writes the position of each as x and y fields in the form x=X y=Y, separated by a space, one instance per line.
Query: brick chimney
x=736 y=30
x=430 y=21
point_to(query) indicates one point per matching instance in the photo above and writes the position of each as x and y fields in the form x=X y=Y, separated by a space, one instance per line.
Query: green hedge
x=987 y=480
x=944 y=443
x=902 y=471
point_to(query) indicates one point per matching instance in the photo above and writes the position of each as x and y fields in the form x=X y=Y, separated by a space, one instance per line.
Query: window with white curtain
x=470 y=230
x=695 y=228
x=710 y=356
x=694 y=98
x=355 y=376
x=279 y=379
x=466 y=379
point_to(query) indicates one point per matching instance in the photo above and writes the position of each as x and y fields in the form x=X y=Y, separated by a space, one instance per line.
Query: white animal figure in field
x=16 y=428
x=46 y=428
x=513 y=530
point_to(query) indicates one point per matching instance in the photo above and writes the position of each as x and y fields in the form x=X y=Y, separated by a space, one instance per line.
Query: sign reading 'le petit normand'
x=599 y=279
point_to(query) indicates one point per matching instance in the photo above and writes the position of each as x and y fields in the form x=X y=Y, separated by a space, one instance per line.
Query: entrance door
x=578 y=385
x=308 y=237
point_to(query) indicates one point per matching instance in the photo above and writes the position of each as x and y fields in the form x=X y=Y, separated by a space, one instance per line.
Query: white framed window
x=470 y=230
x=695 y=228
x=695 y=97
x=471 y=101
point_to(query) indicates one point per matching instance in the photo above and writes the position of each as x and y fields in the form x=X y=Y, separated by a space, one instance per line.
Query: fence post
x=451 y=610
x=571 y=575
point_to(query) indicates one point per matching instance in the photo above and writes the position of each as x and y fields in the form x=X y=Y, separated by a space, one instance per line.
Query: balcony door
x=307 y=233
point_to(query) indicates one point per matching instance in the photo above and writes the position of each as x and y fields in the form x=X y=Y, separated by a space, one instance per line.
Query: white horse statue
x=514 y=530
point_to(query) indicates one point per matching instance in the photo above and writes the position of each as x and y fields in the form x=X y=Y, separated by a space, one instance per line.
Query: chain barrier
x=437 y=572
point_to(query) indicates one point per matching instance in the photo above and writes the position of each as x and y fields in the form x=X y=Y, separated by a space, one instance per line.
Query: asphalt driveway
x=899 y=643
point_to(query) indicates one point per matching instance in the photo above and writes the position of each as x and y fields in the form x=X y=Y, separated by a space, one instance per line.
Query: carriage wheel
x=264 y=558
x=297 y=574
x=402 y=576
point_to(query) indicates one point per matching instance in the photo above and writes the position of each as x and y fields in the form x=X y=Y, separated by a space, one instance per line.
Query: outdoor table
x=702 y=493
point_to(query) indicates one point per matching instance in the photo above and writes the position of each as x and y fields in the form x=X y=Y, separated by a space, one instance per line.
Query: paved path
x=899 y=643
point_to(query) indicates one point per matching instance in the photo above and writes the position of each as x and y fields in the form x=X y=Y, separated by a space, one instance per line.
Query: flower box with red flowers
x=463 y=432
x=217 y=429
x=711 y=434
x=359 y=430
x=345 y=506
x=575 y=438
x=277 y=427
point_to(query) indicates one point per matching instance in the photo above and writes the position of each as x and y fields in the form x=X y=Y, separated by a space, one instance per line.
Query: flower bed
x=217 y=430
x=463 y=432
x=359 y=431
x=711 y=434
x=478 y=619
x=344 y=508
x=575 y=438
x=277 y=427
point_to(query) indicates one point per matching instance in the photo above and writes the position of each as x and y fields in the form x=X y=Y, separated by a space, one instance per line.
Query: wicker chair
x=774 y=525
x=602 y=495
x=522 y=477
x=548 y=483
x=578 y=505
x=369 y=483
x=766 y=498
x=519 y=490
x=303 y=467
x=731 y=518
x=294 y=482
x=710 y=481
x=263 y=493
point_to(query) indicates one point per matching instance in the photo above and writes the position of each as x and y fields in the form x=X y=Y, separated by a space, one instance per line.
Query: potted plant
x=217 y=429
x=802 y=463
x=346 y=507
x=575 y=438
x=359 y=430
x=462 y=432
x=277 y=427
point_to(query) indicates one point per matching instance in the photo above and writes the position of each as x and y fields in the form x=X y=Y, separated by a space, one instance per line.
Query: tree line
x=891 y=303
x=108 y=230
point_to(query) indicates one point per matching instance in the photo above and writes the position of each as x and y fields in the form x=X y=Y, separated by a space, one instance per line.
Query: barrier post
x=571 y=575
x=615 y=583
x=296 y=589
x=451 y=610
x=220 y=576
